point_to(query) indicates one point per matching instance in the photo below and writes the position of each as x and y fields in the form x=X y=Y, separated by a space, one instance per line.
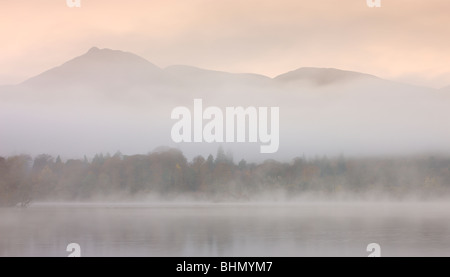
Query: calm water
x=311 y=229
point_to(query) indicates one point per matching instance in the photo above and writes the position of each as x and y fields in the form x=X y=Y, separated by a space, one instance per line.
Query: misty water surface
x=308 y=229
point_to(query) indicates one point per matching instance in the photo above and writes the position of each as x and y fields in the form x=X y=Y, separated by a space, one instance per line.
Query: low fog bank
x=278 y=198
x=224 y=230
x=167 y=176
x=107 y=100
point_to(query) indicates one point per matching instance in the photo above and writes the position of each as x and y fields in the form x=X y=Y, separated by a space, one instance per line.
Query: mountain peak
x=96 y=65
x=94 y=49
x=109 y=56
x=321 y=76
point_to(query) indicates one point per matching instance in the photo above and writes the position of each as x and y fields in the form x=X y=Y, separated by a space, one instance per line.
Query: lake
x=202 y=229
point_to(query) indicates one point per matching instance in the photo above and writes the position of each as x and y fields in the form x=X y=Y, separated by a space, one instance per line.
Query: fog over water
x=228 y=229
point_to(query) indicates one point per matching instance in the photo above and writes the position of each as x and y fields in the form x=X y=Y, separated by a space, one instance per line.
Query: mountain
x=101 y=67
x=106 y=71
x=321 y=76
x=113 y=69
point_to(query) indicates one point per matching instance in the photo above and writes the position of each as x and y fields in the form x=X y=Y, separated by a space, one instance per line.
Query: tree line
x=168 y=173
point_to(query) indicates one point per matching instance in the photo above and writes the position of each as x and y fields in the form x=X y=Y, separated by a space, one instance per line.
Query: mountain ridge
x=114 y=65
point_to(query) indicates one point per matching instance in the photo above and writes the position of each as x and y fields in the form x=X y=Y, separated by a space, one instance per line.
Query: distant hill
x=321 y=76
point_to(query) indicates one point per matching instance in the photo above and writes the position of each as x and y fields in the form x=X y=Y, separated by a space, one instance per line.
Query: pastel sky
x=404 y=40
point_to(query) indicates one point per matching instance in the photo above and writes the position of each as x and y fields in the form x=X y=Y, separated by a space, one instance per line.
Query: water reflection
x=310 y=229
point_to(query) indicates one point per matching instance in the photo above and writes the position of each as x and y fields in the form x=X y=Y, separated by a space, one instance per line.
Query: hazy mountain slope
x=199 y=75
x=99 y=68
x=321 y=76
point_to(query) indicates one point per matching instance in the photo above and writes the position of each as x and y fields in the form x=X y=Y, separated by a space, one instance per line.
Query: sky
x=403 y=40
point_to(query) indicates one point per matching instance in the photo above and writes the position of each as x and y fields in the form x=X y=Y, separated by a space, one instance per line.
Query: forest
x=168 y=174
